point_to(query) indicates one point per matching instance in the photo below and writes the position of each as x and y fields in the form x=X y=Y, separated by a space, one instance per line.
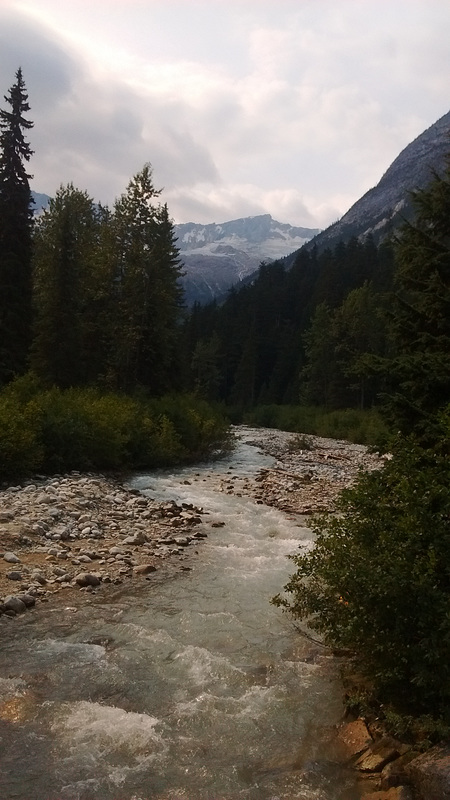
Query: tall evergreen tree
x=66 y=286
x=15 y=233
x=420 y=369
x=147 y=269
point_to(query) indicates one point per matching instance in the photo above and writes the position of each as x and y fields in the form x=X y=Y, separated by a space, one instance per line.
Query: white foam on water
x=91 y=735
x=252 y=703
x=202 y=667
x=144 y=638
x=74 y=651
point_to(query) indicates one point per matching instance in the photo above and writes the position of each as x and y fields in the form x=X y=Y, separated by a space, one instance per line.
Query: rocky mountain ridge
x=218 y=256
x=384 y=207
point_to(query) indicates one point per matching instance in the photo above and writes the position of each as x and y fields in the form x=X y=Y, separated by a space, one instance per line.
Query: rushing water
x=188 y=688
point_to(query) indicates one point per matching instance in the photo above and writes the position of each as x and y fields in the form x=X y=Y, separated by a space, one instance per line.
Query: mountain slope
x=384 y=207
x=217 y=257
x=41 y=201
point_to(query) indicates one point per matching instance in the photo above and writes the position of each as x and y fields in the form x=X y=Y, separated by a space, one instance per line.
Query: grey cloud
x=48 y=69
x=93 y=133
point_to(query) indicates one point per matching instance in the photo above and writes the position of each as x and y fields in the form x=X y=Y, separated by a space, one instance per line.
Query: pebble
x=14 y=576
x=11 y=558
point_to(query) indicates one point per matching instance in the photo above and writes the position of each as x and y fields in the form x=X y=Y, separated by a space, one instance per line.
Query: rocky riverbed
x=79 y=532
x=309 y=472
x=67 y=533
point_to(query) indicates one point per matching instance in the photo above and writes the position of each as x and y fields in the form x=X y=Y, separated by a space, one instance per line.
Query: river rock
x=87 y=579
x=395 y=773
x=27 y=599
x=355 y=737
x=11 y=558
x=378 y=755
x=13 y=603
x=144 y=569
x=38 y=577
x=14 y=576
x=399 y=793
x=182 y=541
x=430 y=773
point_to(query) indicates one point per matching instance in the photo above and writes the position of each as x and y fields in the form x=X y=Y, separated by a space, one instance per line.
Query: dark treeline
x=302 y=334
x=90 y=295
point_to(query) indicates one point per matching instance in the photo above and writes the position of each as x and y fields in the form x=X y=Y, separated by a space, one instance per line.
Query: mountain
x=41 y=201
x=217 y=257
x=384 y=207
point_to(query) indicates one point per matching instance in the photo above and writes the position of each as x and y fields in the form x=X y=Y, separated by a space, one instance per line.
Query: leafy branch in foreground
x=377 y=581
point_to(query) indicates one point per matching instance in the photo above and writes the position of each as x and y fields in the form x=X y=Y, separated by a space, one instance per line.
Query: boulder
x=12 y=603
x=395 y=773
x=429 y=773
x=87 y=579
x=355 y=737
x=378 y=755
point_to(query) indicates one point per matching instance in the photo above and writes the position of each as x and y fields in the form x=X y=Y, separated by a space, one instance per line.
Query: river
x=191 y=687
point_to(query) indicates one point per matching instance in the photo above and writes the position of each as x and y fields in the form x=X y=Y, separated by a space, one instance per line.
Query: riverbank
x=73 y=533
x=310 y=471
x=63 y=534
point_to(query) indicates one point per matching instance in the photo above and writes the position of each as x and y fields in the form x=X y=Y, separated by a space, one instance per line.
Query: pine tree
x=65 y=288
x=15 y=233
x=420 y=369
x=147 y=270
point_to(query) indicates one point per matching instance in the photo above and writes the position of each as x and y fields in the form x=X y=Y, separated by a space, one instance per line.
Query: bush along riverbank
x=54 y=430
x=375 y=587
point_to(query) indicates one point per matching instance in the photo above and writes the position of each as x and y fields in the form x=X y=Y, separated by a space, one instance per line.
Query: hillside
x=384 y=207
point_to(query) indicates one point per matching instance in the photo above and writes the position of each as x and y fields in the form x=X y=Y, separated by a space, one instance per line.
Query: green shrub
x=354 y=425
x=20 y=451
x=55 y=430
x=377 y=581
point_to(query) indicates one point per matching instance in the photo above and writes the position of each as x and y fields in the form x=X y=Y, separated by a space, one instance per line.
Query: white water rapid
x=189 y=688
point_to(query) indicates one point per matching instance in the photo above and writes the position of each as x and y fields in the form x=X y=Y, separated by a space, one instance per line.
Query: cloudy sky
x=288 y=107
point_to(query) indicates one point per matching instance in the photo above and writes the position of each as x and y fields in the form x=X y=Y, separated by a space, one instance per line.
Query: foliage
x=66 y=245
x=20 y=449
x=15 y=233
x=419 y=366
x=354 y=425
x=56 y=430
x=145 y=270
x=378 y=578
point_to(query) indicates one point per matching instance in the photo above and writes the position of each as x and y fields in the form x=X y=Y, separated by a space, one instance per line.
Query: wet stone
x=11 y=558
x=14 y=576
x=13 y=603
x=87 y=579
